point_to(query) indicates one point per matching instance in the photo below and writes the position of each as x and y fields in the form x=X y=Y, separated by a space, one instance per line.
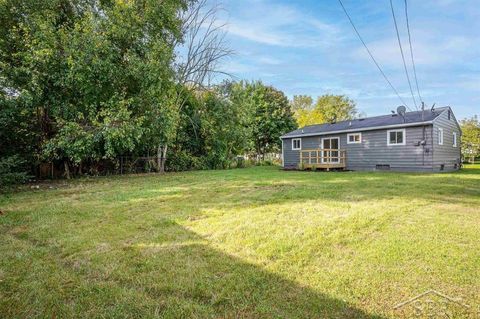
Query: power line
x=371 y=55
x=403 y=56
x=411 y=52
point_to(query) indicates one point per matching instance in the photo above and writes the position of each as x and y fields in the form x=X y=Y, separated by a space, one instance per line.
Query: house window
x=354 y=138
x=440 y=136
x=454 y=139
x=396 y=137
x=296 y=144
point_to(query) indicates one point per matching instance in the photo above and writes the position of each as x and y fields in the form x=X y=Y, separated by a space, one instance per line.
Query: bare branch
x=199 y=57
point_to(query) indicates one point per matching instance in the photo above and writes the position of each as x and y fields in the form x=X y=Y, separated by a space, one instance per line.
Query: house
x=424 y=141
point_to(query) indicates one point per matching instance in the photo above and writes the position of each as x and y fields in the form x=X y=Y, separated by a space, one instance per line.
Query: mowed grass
x=246 y=243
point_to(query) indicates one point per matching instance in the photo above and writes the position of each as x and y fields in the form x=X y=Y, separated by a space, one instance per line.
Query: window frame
x=454 y=134
x=404 y=132
x=293 y=144
x=440 y=136
x=354 y=134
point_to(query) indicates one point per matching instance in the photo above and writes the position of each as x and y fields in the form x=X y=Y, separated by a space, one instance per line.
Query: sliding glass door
x=331 y=146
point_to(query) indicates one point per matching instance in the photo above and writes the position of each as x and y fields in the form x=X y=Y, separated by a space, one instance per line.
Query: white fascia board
x=373 y=128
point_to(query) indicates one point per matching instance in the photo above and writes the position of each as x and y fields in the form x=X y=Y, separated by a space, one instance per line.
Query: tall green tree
x=225 y=129
x=271 y=115
x=301 y=102
x=470 y=138
x=214 y=128
x=198 y=59
x=96 y=76
x=327 y=109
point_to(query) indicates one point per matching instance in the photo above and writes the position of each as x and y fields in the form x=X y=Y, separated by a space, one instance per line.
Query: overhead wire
x=403 y=56
x=411 y=52
x=371 y=55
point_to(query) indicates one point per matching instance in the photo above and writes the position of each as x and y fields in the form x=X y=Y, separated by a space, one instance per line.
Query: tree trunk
x=67 y=169
x=164 y=159
x=161 y=158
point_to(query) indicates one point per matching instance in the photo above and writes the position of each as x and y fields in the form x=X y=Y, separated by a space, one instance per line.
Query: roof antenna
x=423 y=110
x=401 y=111
x=433 y=107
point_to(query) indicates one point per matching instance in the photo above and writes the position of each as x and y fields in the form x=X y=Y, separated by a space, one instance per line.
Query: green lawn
x=246 y=243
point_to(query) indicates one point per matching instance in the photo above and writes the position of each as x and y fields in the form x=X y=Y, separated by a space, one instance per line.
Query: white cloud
x=269 y=60
x=235 y=67
x=281 y=25
x=253 y=34
x=427 y=52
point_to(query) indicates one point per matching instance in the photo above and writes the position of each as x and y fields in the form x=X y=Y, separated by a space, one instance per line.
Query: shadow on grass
x=196 y=280
x=171 y=272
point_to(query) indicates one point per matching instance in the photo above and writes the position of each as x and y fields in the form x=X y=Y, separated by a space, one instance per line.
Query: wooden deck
x=322 y=159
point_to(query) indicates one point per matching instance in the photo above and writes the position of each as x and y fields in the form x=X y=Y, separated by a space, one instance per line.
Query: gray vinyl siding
x=292 y=157
x=446 y=154
x=373 y=150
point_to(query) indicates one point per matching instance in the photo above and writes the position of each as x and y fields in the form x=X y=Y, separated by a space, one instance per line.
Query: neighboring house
x=409 y=141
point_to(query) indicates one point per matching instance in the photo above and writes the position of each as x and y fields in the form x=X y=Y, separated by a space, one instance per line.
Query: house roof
x=383 y=121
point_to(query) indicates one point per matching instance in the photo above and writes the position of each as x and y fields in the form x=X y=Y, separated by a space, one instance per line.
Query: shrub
x=184 y=161
x=12 y=171
x=300 y=166
x=262 y=163
x=240 y=162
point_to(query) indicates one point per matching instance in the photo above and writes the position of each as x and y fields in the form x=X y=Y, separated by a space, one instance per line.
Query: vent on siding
x=383 y=167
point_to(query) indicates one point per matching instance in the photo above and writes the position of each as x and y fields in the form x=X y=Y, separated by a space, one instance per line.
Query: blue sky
x=309 y=47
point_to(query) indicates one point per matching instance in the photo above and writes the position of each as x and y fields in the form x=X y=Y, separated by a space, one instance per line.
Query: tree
x=84 y=82
x=95 y=75
x=198 y=55
x=270 y=112
x=215 y=126
x=301 y=102
x=470 y=137
x=16 y=142
x=302 y=106
x=224 y=128
x=327 y=109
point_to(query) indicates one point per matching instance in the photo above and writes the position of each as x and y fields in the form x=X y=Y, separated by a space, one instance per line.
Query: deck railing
x=323 y=158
